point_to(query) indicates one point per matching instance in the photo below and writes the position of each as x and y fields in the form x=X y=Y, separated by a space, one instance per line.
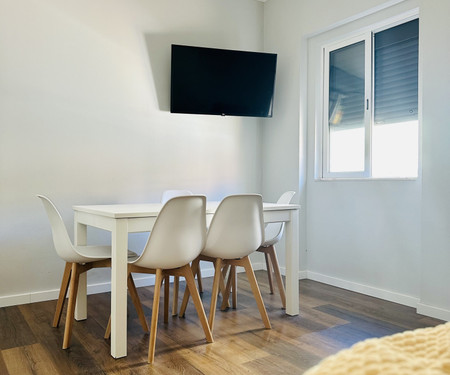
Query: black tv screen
x=222 y=82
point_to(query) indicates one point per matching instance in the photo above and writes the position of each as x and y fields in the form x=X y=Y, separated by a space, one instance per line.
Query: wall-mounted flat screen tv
x=222 y=82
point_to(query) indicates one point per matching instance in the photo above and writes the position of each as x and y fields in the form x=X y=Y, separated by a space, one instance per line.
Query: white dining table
x=121 y=219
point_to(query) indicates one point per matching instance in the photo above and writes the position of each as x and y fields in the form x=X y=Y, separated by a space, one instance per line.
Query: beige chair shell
x=79 y=259
x=178 y=235
x=274 y=231
x=63 y=246
x=237 y=228
x=177 y=238
x=236 y=231
x=273 y=234
x=167 y=195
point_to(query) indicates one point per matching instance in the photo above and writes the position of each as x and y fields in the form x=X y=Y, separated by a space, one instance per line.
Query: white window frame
x=368 y=37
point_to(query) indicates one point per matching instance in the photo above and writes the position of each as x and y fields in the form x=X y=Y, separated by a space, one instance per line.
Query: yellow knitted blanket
x=422 y=351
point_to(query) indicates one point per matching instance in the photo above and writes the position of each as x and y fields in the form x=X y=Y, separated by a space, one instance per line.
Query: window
x=370 y=105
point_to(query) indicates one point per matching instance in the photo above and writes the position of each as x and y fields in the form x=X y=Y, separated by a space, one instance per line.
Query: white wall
x=84 y=98
x=363 y=235
x=435 y=260
x=84 y=93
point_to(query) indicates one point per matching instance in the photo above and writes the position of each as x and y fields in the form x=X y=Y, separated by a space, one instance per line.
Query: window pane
x=395 y=150
x=396 y=73
x=346 y=109
x=347 y=150
x=395 y=144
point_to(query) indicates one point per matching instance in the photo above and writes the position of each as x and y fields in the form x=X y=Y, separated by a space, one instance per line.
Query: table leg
x=80 y=234
x=119 y=289
x=292 y=264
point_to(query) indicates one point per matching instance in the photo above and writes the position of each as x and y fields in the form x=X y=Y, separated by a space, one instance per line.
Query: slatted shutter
x=396 y=74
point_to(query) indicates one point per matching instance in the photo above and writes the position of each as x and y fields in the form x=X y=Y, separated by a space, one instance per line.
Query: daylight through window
x=371 y=105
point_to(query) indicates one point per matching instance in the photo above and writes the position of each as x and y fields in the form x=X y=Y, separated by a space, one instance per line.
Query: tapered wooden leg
x=137 y=302
x=255 y=289
x=71 y=305
x=190 y=283
x=108 y=329
x=166 y=298
x=176 y=286
x=234 y=288
x=222 y=286
x=195 y=266
x=226 y=294
x=199 y=280
x=276 y=270
x=62 y=294
x=215 y=291
x=155 y=311
x=269 y=271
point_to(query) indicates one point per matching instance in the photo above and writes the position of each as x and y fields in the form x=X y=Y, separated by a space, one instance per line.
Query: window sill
x=334 y=179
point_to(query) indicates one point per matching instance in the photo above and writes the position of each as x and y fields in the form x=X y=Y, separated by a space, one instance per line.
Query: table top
x=118 y=211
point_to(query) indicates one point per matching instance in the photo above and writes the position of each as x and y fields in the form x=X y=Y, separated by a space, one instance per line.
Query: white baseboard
x=434 y=312
x=139 y=280
x=301 y=274
x=149 y=280
x=365 y=289
x=17 y=299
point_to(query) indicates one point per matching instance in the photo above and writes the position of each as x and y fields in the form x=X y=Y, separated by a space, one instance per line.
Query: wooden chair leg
x=155 y=312
x=199 y=280
x=222 y=286
x=269 y=271
x=226 y=293
x=190 y=283
x=176 y=286
x=71 y=305
x=137 y=302
x=231 y=288
x=234 y=287
x=62 y=294
x=276 y=270
x=166 y=298
x=215 y=291
x=108 y=329
x=195 y=266
x=255 y=289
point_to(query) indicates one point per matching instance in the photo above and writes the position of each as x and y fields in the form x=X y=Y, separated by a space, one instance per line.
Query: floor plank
x=28 y=359
x=14 y=330
x=330 y=319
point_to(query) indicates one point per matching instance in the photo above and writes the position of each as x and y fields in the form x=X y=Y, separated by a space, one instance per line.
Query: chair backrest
x=61 y=240
x=178 y=235
x=169 y=194
x=274 y=231
x=237 y=228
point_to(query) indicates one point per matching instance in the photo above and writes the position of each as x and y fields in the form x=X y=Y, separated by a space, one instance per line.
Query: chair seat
x=270 y=242
x=93 y=253
x=132 y=256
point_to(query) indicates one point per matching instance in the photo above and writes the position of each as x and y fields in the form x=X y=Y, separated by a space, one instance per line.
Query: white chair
x=236 y=231
x=273 y=234
x=167 y=195
x=79 y=259
x=177 y=238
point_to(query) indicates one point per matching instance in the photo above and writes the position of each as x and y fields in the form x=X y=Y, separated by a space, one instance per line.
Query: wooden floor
x=330 y=319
